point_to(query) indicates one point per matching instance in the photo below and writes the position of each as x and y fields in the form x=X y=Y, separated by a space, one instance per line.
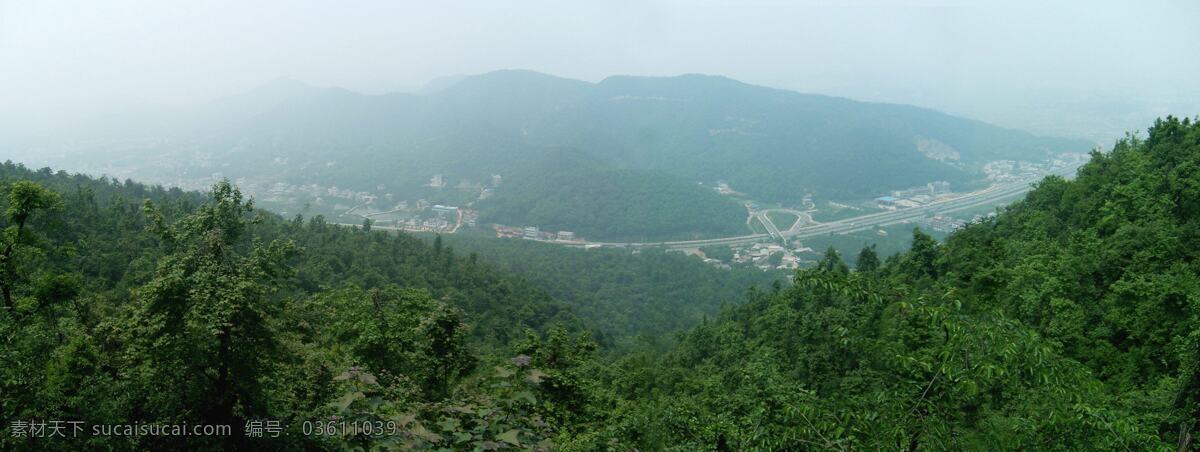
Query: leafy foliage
x=211 y=312
x=644 y=141
x=619 y=294
x=1067 y=322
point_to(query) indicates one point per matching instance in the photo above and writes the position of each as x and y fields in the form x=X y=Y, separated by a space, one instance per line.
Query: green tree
x=832 y=262
x=868 y=260
x=775 y=259
x=24 y=198
x=445 y=334
x=201 y=337
x=562 y=357
x=415 y=345
x=722 y=253
x=923 y=254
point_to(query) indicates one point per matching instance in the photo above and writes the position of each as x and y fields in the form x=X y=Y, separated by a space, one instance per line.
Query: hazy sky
x=986 y=59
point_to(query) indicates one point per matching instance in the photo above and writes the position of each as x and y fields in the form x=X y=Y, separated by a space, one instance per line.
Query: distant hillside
x=567 y=191
x=777 y=145
x=618 y=294
x=1069 y=321
x=773 y=145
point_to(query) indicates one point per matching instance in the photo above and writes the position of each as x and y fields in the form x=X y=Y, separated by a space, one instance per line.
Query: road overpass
x=769 y=225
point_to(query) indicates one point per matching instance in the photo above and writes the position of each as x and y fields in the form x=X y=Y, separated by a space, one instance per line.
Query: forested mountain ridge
x=1068 y=321
x=119 y=295
x=100 y=225
x=132 y=305
x=774 y=145
x=693 y=126
x=617 y=293
x=573 y=192
x=777 y=145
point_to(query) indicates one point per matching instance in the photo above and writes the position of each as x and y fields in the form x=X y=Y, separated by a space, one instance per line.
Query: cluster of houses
x=470 y=217
x=534 y=233
x=1004 y=171
x=282 y=192
x=422 y=217
x=941 y=223
x=914 y=196
x=436 y=224
x=759 y=255
x=439 y=182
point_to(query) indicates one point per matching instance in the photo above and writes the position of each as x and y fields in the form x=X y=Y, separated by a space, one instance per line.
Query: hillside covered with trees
x=1069 y=321
x=571 y=192
x=648 y=141
x=126 y=304
x=619 y=294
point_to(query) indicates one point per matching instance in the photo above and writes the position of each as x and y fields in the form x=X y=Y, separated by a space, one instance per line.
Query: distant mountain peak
x=438 y=84
x=266 y=96
x=683 y=86
x=515 y=78
x=284 y=82
x=688 y=77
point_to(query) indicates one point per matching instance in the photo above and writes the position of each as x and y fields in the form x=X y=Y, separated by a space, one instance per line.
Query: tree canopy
x=1069 y=321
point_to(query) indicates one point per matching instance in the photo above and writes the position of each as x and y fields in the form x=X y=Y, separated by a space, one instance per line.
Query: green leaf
x=535 y=376
x=525 y=396
x=345 y=401
x=502 y=372
x=510 y=437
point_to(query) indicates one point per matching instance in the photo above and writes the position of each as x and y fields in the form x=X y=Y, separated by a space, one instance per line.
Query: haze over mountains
x=772 y=145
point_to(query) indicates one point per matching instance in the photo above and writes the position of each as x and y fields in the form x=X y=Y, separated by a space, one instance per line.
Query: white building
x=436 y=181
x=531 y=232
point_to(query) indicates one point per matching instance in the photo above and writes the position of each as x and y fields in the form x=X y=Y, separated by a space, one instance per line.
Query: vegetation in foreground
x=1068 y=321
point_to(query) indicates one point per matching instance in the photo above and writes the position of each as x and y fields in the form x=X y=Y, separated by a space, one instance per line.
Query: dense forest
x=126 y=304
x=1069 y=321
x=774 y=145
x=620 y=294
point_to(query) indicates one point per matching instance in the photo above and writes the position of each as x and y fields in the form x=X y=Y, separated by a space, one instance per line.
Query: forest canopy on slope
x=1072 y=320
x=130 y=304
x=1069 y=321
x=618 y=293
x=571 y=192
x=650 y=139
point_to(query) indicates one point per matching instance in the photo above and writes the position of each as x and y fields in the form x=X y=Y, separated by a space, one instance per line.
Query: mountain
x=777 y=145
x=619 y=294
x=1069 y=321
x=773 y=145
x=573 y=192
x=132 y=304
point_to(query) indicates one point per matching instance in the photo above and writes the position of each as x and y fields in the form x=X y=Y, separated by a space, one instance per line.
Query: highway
x=806 y=227
x=990 y=195
x=772 y=230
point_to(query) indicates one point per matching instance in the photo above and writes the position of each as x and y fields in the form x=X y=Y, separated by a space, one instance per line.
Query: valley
x=624 y=160
x=547 y=226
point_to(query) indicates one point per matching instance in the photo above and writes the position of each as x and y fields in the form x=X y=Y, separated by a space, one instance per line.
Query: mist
x=1082 y=69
